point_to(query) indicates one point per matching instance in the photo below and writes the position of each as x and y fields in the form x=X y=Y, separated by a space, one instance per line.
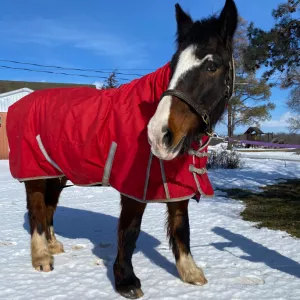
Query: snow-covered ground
x=261 y=153
x=285 y=156
x=239 y=260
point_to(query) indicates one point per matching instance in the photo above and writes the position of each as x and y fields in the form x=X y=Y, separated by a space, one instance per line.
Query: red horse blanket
x=100 y=136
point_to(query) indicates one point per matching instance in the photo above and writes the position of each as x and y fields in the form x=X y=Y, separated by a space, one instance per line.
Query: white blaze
x=187 y=61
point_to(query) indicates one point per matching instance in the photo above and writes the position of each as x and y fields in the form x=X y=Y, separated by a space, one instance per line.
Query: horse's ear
x=184 y=21
x=228 y=21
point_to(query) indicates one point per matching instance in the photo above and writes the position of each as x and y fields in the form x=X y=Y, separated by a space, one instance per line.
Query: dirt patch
x=276 y=206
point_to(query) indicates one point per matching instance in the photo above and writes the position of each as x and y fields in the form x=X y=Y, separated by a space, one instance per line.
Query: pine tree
x=250 y=102
x=277 y=49
x=111 y=81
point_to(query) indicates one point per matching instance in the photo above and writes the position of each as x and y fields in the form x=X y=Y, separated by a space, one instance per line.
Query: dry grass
x=276 y=206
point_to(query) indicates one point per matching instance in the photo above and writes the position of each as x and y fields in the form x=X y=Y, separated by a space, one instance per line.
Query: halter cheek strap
x=184 y=97
x=202 y=112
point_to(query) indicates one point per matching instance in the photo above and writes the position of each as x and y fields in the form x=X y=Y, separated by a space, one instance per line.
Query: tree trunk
x=230 y=125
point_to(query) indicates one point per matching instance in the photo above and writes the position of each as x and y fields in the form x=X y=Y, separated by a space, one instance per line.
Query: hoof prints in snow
x=239 y=260
x=78 y=247
x=247 y=280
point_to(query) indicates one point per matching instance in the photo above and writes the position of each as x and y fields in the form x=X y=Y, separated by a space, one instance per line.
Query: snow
x=260 y=153
x=239 y=260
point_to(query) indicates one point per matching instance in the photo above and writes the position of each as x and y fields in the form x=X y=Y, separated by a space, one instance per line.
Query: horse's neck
x=157 y=80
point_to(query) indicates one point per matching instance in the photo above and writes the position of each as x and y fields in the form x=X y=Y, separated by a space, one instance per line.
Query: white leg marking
x=55 y=247
x=40 y=253
x=189 y=271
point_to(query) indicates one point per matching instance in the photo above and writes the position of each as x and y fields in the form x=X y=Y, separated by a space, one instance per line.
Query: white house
x=6 y=100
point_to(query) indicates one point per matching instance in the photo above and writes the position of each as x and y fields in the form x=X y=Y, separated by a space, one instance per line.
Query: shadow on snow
x=101 y=230
x=256 y=253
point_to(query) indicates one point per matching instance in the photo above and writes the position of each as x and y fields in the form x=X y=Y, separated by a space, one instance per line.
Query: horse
x=198 y=83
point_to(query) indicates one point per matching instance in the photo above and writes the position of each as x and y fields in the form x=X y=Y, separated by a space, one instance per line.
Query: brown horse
x=199 y=89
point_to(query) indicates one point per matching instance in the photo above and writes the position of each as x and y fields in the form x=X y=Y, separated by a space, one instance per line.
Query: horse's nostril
x=168 y=137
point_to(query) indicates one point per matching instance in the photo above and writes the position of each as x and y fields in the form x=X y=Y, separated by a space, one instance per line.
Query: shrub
x=224 y=159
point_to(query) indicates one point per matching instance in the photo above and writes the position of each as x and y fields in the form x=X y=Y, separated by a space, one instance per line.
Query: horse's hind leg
x=179 y=234
x=42 y=259
x=53 y=190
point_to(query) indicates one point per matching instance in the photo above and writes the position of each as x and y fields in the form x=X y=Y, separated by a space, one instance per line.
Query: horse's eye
x=212 y=67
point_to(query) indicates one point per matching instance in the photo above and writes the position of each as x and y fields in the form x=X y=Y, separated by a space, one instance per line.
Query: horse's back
x=47 y=119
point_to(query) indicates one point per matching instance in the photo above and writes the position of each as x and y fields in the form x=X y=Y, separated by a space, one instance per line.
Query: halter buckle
x=210 y=133
x=205 y=118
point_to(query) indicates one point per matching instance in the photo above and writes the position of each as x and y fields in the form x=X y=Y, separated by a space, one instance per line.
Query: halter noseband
x=202 y=112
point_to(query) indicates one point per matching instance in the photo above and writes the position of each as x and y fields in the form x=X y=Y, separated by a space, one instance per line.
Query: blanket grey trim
x=108 y=164
x=90 y=184
x=39 y=177
x=160 y=200
x=43 y=150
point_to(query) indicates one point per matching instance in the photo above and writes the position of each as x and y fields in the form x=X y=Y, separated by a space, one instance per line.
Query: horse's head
x=201 y=84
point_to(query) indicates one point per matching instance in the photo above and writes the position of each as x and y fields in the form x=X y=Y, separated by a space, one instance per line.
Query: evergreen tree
x=250 y=103
x=111 y=81
x=277 y=49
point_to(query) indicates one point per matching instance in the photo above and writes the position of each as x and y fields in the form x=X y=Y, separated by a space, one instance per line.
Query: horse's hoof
x=43 y=264
x=189 y=271
x=45 y=268
x=202 y=281
x=130 y=292
x=197 y=277
x=126 y=283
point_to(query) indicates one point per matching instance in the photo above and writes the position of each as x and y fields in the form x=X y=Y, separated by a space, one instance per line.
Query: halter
x=202 y=112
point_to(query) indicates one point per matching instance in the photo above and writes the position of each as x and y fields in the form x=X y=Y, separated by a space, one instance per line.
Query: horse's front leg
x=179 y=239
x=127 y=284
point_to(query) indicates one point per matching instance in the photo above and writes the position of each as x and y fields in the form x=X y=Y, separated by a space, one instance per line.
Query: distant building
x=256 y=134
x=252 y=133
x=13 y=91
x=7 y=99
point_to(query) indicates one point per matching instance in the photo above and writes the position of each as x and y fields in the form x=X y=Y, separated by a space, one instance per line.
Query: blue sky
x=109 y=35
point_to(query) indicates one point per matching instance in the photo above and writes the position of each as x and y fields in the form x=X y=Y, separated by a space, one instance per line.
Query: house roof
x=23 y=90
x=9 y=98
x=10 y=85
x=253 y=129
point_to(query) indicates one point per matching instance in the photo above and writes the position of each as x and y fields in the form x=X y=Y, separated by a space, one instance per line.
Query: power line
x=75 y=69
x=57 y=73
x=69 y=69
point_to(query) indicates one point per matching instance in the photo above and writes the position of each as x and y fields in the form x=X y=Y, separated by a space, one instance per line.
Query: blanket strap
x=199 y=171
x=147 y=176
x=197 y=153
x=164 y=179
